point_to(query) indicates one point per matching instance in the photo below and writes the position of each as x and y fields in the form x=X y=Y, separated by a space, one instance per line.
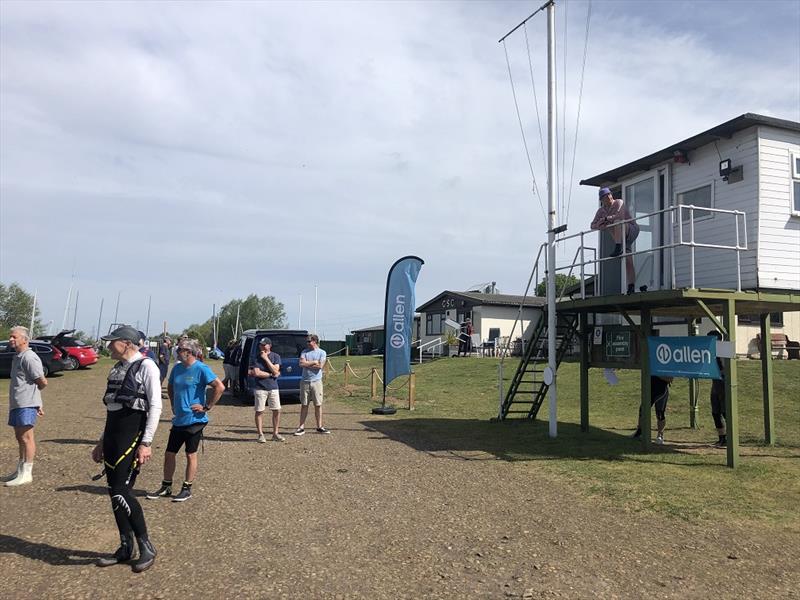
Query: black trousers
x=122 y=435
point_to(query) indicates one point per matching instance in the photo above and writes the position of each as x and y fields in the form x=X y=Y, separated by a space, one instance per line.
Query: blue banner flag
x=399 y=317
x=691 y=356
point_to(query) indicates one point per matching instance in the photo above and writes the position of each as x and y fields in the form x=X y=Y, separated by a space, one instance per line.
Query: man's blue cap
x=604 y=192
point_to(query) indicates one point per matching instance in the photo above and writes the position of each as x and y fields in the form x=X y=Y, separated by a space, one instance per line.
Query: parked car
x=77 y=354
x=288 y=343
x=52 y=358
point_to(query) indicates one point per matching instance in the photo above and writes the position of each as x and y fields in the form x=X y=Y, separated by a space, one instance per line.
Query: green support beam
x=694 y=385
x=766 y=380
x=712 y=317
x=731 y=385
x=585 y=340
x=644 y=410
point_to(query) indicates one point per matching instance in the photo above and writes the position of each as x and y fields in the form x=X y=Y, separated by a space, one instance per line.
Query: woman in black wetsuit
x=133 y=404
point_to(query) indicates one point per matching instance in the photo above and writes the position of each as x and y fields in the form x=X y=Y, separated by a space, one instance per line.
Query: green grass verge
x=686 y=478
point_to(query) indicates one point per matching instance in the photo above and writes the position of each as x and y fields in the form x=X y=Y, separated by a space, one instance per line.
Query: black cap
x=123 y=333
x=265 y=340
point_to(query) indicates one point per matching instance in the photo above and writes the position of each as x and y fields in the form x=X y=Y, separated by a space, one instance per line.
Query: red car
x=77 y=355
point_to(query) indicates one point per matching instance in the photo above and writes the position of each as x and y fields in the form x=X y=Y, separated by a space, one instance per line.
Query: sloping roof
x=365 y=329
x=725 y=130
x=487 y=299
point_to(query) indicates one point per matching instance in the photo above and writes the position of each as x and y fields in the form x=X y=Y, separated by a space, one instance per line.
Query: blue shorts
x=23 y=417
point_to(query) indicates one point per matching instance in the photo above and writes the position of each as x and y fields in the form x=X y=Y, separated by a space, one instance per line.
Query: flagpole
x=551 y=217
x=99 y=317
x=33 y=313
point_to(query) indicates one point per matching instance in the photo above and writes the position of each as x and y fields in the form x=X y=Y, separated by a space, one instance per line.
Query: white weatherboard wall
x=778 y=229
x=717 y=268
x=503 y=317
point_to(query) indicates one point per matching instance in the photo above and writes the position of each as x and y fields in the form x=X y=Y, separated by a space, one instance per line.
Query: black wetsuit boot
x=147 y=555
x=123 y=554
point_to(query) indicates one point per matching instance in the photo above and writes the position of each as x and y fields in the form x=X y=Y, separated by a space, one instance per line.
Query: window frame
x=429 y=323
x=712 y=204
x=794 y=183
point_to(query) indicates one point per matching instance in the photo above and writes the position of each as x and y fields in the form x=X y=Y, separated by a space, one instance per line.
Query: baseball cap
x=264 y=341
x=123 y=333
x=604 y=192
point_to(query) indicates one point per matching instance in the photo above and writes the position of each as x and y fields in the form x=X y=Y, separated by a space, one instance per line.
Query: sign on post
x=618 y=344
x=690 y=356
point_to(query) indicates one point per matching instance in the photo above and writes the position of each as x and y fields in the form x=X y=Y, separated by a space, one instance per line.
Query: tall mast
x=551 y=214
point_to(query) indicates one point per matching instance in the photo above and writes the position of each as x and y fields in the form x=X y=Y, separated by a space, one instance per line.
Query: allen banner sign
x=691 y=356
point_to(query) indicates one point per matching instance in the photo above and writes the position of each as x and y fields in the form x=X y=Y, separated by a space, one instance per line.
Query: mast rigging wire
x=522 y=131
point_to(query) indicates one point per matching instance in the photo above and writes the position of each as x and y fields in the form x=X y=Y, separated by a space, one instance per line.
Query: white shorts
x=264 y=398
x=311 y=390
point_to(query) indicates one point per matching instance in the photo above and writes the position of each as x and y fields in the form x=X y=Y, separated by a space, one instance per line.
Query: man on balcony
x=611 y=212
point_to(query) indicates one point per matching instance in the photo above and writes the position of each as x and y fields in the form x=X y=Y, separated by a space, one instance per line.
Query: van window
x=288 y=345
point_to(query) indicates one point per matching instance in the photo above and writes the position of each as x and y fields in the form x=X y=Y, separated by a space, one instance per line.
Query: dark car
x=288 y=343
x=51 y=357
x=77 y=354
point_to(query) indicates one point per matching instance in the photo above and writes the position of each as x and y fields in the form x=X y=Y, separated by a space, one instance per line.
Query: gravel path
x=356 y=514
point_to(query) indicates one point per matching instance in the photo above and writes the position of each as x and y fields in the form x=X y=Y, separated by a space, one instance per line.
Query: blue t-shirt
x=266 y=383
x=189 y=387
x=312 y=355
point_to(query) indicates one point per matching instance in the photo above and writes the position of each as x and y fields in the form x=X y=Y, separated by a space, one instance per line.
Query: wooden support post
x=585 y=340
x=346 y=368
x=412 y=390
x=766 y=380
x=373 y=383
x=731 y=386
x=644 y=410
x=694 y=385
x=347 y=351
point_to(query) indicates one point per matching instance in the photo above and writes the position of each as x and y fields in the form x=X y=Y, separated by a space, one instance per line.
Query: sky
x=192 y=153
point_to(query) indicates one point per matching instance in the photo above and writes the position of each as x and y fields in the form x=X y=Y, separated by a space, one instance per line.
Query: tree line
x=255 y=312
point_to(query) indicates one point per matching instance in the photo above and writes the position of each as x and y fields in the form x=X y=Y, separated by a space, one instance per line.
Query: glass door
x=641 y=198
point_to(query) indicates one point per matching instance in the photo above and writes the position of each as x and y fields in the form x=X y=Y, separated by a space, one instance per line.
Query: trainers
x=617 y=251
x=165 y=491
x=262 y=439
x=631 y=289
x=277 y=437
x=323 y=430
x=660 y=440
x=300 y=431
x=721 y=444
x=184 y=495
x=636 y=434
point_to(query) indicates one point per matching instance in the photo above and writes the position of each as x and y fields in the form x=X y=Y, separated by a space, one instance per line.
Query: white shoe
x=660 y=440
x=262 y=439
x=13 y=475
x=24 y=476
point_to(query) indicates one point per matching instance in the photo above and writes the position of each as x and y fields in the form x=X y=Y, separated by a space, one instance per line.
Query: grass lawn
x=686 y=478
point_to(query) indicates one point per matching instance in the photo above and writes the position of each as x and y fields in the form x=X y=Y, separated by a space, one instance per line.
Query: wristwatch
x=145 y=444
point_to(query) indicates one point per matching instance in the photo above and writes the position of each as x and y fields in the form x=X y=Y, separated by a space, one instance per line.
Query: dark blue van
x=288 y=343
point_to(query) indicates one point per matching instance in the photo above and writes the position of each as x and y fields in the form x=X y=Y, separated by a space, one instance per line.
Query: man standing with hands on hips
x=312 y=359
x=133 y=407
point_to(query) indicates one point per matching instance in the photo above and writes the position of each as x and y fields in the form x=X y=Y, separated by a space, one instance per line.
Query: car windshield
x=288 y=345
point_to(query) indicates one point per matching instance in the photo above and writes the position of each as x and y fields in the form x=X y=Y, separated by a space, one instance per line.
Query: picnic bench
x=778 y=341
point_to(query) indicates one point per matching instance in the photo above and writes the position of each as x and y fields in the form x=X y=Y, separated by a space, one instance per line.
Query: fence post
x=346 y=368
x=412 y=387
x=373 y=380
x=347 y=351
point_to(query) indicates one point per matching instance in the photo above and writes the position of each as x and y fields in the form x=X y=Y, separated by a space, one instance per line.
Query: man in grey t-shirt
x=25 y=402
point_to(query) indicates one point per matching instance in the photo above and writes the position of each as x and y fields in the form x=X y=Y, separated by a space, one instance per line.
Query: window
x=433 y=325
x=795 y=183
x=776 y=319
x=702 y=196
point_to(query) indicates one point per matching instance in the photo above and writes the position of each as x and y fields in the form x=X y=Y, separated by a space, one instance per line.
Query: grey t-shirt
x=23 y=392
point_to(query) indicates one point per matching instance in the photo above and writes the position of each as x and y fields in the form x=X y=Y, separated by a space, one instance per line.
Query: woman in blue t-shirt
x=187 y=394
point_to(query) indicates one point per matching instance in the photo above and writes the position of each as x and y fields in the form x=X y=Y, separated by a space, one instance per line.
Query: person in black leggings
x=133 y=403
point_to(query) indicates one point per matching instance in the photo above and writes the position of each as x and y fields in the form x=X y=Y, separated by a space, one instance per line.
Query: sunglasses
x=184 y=349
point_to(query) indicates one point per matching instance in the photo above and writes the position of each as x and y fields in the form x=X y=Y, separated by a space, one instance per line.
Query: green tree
x=15 y=309
x=562 y=282
x=254 y=313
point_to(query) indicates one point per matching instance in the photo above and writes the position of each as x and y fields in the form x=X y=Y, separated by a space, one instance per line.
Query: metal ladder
x=528 y=389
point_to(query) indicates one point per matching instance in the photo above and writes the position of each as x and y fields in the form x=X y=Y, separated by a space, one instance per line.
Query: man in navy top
x=265 y=369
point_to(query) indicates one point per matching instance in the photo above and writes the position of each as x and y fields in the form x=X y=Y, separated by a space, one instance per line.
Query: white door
x=643 y=196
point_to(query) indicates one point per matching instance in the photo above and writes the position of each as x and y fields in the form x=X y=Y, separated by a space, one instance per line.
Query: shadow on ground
x=511 y=441
x=45 y=552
